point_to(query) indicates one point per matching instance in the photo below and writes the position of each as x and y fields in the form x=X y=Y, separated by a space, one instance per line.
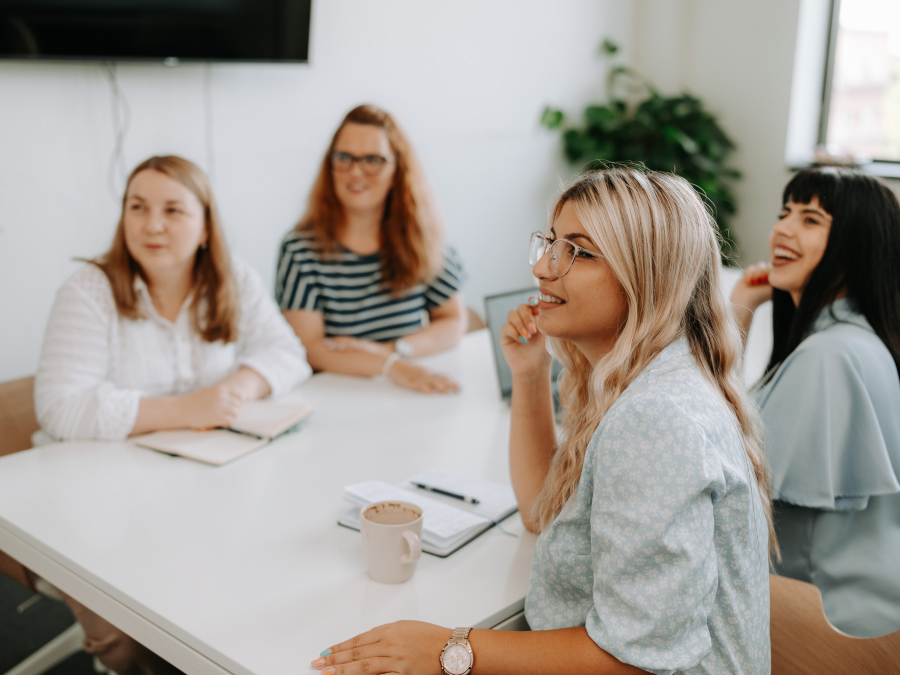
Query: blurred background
x=785 y=82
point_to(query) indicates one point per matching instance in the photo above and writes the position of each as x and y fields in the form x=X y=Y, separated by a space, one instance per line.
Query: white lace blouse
x=96 y=364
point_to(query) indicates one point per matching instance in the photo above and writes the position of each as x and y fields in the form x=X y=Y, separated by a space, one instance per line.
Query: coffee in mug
x=392 y=539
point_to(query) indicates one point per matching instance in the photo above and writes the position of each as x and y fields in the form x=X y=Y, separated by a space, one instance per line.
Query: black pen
x=447 y=493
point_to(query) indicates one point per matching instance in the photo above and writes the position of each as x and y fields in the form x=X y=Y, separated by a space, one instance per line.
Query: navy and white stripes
x=347 y=288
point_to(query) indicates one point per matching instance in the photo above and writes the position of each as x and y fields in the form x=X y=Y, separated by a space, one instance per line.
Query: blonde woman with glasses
x=653 y=507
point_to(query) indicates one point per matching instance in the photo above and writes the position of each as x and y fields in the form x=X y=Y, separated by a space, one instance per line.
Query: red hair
x=411 y=250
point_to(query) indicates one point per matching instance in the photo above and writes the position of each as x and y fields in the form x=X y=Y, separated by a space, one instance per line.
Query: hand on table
x=401 y=648
x=215 y=406
x=524 y=346
x=406 y=374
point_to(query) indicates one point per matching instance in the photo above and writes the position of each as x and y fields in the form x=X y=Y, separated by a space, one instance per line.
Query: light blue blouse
x=662 y=551
x=832 y=422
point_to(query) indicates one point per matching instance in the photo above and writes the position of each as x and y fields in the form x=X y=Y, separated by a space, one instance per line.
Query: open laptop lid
x=496 y=309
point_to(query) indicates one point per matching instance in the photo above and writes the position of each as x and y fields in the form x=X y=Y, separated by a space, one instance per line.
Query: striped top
x=347 y=288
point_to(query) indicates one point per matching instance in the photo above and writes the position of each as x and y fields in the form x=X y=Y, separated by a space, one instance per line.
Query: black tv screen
x=156 y=30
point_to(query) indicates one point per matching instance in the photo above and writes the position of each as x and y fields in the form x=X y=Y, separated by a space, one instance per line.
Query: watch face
x=456 y=659
x=403 y=348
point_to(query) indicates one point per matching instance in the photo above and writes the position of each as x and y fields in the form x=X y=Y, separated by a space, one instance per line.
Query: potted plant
x=665 y=133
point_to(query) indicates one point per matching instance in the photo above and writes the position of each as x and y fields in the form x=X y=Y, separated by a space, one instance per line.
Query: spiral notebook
x=258 y=423
x=449 y=524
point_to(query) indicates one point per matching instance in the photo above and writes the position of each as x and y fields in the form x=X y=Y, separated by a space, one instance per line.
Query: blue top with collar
x=662 y=551
x=831 y=414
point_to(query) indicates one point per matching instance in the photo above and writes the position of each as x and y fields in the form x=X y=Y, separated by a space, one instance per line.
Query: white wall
x=738 y=58
x=467 y=79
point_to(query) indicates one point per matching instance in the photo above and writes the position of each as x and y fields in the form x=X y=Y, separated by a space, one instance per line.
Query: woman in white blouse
x=166 y=330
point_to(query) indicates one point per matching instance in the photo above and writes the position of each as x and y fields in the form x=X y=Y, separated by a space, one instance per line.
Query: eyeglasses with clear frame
x=562 y=253
x=371 y=165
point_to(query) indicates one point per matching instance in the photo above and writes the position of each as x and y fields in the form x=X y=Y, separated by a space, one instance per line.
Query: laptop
x=496 y=309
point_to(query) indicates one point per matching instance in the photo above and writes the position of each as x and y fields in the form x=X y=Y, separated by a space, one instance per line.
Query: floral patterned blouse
x=662 y=551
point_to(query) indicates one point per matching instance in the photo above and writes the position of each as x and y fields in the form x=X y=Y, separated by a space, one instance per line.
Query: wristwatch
x=403 y=348
x=456 y=656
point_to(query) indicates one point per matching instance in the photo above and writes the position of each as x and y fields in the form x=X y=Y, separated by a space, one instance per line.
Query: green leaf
x=552 y=118
x=608 y=47
x=599 y=115
x=685 y=141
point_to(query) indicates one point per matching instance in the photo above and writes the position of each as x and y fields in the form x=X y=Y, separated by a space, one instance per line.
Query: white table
x=242 y=568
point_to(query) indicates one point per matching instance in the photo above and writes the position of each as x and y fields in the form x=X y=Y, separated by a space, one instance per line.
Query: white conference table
x=242 y=568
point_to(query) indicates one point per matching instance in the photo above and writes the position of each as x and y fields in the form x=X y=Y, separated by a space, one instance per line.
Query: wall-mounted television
x=155 y=30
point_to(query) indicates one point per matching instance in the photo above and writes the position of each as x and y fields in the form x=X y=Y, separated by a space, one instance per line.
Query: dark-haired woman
x=830 y=396
x=364 y=279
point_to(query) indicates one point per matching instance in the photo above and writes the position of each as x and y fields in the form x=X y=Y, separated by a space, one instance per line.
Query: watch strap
x=460 y=635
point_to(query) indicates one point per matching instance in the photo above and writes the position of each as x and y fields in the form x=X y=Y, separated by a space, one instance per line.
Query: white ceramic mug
x=392 y=539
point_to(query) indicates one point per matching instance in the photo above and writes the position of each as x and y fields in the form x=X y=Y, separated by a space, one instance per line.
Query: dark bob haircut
x=861 y=259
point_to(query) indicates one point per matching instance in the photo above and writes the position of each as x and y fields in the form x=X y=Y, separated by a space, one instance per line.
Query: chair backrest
x=475 y=322
x=17 y=420
x=804 y=643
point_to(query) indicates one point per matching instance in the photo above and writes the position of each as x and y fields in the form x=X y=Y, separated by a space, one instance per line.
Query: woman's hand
x=406 y=374
x=402 y=648
x=215 y=406
x=524 y=346
x=753 y=287
x=751 y=291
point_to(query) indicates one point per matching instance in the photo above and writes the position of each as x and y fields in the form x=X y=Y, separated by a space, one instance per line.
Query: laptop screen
x=496 y=309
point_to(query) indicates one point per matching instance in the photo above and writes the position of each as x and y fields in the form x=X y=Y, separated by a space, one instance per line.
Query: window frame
x=882 y=167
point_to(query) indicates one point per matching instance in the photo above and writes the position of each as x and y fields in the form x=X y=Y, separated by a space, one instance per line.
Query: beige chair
x=17 y=423
x=17 y=420
x=475 y=321
x=804 y=643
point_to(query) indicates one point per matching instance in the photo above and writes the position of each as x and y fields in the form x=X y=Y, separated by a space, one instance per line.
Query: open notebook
x=258 y=423
x=448 y=523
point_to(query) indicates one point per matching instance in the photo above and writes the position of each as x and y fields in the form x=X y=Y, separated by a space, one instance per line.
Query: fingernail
x=524 y=333
x=325 y=652
x=523 y=340
x=533 y=301
x=330 y=670
x=318 y=663
x=532 y=329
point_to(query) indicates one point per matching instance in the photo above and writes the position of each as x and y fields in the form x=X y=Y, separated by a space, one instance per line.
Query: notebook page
x=441 y=522
x=268 y=419
x=216 y=447
x=496 y=501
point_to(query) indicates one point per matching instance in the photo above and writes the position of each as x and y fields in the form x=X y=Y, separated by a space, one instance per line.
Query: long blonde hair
x=215 y=306
x=661 y=244
x=411 y=248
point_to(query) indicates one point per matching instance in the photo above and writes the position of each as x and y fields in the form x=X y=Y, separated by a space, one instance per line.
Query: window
x=860 y=117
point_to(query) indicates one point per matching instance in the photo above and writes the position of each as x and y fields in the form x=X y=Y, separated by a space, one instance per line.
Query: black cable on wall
x=121 y=118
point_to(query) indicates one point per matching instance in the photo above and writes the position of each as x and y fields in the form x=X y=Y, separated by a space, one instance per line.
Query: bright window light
x=863 y=120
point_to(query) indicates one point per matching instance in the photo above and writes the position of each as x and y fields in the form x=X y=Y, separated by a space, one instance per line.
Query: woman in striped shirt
x=364 y=278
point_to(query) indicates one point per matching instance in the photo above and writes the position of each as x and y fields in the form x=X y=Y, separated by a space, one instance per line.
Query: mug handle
x=415 y=547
